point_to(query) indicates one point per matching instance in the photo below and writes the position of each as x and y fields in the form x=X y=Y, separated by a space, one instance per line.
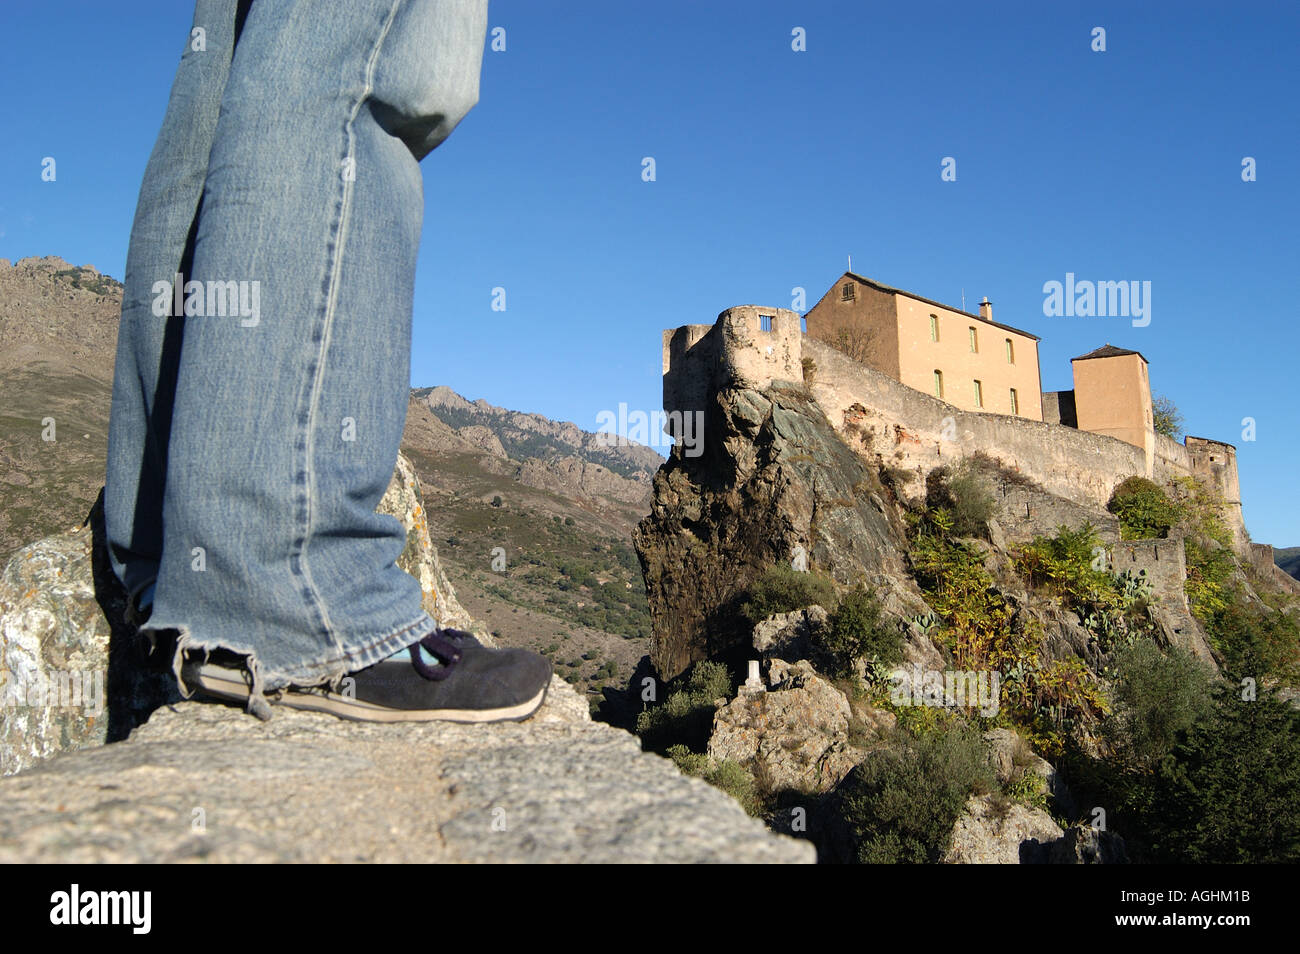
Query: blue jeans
x=255 y=428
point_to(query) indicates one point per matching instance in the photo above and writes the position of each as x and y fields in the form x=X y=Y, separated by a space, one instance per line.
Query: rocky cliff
x=773 y=484
x=205 y=782
x=777 y=482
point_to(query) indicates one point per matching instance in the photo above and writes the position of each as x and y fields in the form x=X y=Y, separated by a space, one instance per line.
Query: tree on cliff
x=1166 y=418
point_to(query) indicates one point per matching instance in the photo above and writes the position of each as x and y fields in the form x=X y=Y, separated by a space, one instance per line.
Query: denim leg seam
x=331 y=300
x=327 y=670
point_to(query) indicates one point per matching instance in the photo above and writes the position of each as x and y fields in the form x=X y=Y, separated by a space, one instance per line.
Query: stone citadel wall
x=913 y=432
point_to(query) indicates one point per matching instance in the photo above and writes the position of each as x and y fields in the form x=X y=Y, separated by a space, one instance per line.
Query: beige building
x=967 y=360
x=1112 y=396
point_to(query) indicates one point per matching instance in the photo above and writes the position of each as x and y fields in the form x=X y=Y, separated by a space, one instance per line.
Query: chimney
x=986 y=309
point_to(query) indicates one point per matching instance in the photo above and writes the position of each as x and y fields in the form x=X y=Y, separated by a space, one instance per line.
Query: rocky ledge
x=133 y=774
x=206 y=782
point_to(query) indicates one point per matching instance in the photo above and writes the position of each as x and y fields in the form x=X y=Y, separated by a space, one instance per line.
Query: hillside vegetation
x=1131 y=718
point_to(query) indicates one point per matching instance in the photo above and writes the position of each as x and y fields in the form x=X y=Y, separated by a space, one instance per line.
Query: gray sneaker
x=449 y=676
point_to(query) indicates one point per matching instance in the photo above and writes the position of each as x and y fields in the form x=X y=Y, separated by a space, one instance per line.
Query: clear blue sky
x=772 y=166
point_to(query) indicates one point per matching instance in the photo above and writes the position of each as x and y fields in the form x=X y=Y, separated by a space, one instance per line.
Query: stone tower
x=1112 y=396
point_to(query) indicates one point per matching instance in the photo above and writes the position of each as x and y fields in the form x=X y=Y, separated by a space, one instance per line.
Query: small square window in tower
x=848 y=292
x=764 y=322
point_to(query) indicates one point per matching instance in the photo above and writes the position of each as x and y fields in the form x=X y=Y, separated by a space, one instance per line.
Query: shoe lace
x=442 y=644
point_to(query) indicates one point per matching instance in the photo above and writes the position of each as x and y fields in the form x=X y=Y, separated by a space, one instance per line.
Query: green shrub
x=1066 y=565
x=727 y=775
x=901 y=802
x=977 y=623
x=1156 y=696
x=1208 y=583
x=1252 y=640
x=1143 y=509
x=686 y=715
x=781 y=588
x=1202 y=508
x=966 y=494
x=1028 y=788
x=1256 y=642
x=1230 y=792
x=856 y=631
x=1110 y=607
x=1048 y=700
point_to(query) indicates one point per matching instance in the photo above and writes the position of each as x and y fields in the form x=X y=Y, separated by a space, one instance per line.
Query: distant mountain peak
x=58 y=315
x=442 y=396
x=524 y=436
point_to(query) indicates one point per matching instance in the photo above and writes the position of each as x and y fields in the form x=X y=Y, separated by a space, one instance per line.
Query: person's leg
x=289 y=409
x=148 y=345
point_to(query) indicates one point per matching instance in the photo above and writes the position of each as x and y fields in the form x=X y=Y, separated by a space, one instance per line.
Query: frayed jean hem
x=329 y=670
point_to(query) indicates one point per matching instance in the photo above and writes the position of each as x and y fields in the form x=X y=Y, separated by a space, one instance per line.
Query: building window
x=979 y=394
x=1011 y=352
x=764 y=322
x=974 y=344
x=934 y=327
x=848 y=292
x=1015 y=402
x=938 y=384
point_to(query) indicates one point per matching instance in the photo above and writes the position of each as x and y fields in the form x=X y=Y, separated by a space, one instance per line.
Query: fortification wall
x=1215 y=463
x=1024 y=513
x=1164 y=562
x=1171 y=457
x=752 y=346
x=1058 y=408
x=1166 y=570
x=736 y=350
x=750 y=356
x=1074 y=464
x=690 y=356
x=1265 y=563
x=1218 y=461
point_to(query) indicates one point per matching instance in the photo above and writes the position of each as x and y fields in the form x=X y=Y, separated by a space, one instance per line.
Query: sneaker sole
x=226 y=684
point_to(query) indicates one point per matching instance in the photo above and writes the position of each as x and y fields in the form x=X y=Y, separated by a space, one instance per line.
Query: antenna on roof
x=850 y=263
x=963 y=299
